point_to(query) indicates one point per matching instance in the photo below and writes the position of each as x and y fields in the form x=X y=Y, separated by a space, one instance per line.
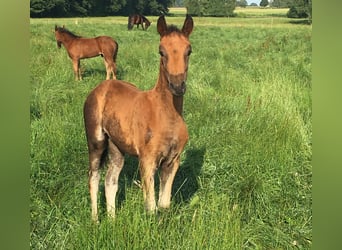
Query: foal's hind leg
x=110 y=68
x=95 y=155
x=115 y=164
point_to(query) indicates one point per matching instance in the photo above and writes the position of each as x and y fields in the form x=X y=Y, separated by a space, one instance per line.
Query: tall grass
x=245 y=176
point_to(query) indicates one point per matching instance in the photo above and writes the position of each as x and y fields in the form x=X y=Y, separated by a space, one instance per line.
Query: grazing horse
x=119 y=118
x=138 y=19
x=79 y=48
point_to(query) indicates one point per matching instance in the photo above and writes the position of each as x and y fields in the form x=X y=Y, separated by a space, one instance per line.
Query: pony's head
x=175 y=49
x=58 y=37
x=147 y=24
x=61 y=34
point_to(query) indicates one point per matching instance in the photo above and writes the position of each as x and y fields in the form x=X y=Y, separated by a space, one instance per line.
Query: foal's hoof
x=96 y=221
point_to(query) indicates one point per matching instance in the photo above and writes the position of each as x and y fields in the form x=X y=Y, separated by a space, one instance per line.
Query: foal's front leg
x=147 y=171
x=77 y=70
x=167 y=175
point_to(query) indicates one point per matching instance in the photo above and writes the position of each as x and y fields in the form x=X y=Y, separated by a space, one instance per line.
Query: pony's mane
x=64 y=30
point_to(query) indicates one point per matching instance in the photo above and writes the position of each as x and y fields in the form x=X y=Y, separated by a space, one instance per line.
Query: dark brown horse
x=119 y=118
x=138 y=19
x=79 y=48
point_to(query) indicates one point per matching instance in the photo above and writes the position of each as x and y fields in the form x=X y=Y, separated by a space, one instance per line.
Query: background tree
x=264 y=3
x=300 y=9
x=241 y=3
x=194 y=7
x=146 y=7
x=114 y=6
x=210 y=8
x=178 y=3
x=68 y=8
x=44 y=8
x=282 y=3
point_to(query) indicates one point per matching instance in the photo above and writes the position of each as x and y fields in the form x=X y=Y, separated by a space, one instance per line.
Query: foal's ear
x=188 y=25
x=55 y=27
x=161 y=25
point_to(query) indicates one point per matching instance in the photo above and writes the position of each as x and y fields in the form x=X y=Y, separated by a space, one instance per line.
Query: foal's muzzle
x=177 y=84
x=178 y=89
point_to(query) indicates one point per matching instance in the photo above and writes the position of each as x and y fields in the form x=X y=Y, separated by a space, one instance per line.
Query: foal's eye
x=161 y=53
x=189 y=52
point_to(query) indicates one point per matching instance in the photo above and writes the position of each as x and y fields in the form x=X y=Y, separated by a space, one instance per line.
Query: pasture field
x=245 y=178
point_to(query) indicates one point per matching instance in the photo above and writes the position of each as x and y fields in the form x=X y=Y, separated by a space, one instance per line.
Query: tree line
x=72 y=8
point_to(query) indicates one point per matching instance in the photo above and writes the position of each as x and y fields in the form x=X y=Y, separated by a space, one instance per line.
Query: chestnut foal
x=119 y=118
x=79 y=48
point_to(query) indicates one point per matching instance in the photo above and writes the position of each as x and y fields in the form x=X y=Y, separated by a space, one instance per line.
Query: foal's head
x=60 y=33
x=58 y=36
x=147 y=23
x=175 y=49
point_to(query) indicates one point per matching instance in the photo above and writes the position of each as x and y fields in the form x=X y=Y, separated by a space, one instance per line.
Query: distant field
x=245 y=178
x=257 y=11
x=249 y=11
x=177 y=10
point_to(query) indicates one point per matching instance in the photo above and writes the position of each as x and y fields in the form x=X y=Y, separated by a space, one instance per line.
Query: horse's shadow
x=88 y=72
x=184 y=186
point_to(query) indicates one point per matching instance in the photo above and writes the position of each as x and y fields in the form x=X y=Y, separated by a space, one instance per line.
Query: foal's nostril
x=183 y=85
x=178 y=89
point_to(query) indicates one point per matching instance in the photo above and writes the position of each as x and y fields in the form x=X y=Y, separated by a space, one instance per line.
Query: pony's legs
x=107 y=69
x=115 y=164
x=95 y=154
x=167 y=175
x=110 y=68
x=147 y=171
x=77 y=70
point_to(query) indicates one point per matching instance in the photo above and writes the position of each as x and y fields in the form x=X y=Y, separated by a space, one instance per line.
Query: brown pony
x=79 y=48
x=119 y=118
x=138 y=19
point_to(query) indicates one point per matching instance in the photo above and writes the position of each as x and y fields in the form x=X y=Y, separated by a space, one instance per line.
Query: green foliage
x=282 y=3
x=245 y=178
x=300 y=9
x=264 y=3
x=41 y=8
x=210 y=8
x=65 y=8
x=241 y=3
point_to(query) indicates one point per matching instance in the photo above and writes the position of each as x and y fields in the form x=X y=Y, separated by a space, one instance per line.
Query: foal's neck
x=178 y=103
x=163 y=89
x=67 y=40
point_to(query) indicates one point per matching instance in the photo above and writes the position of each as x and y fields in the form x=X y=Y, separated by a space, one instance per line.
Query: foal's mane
x=64 y=30
x=170 y=29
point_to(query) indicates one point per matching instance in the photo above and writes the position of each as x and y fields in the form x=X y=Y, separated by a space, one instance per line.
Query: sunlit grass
x=245 y=175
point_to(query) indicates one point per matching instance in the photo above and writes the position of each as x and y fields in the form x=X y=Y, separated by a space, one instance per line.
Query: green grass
x=245 y=176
